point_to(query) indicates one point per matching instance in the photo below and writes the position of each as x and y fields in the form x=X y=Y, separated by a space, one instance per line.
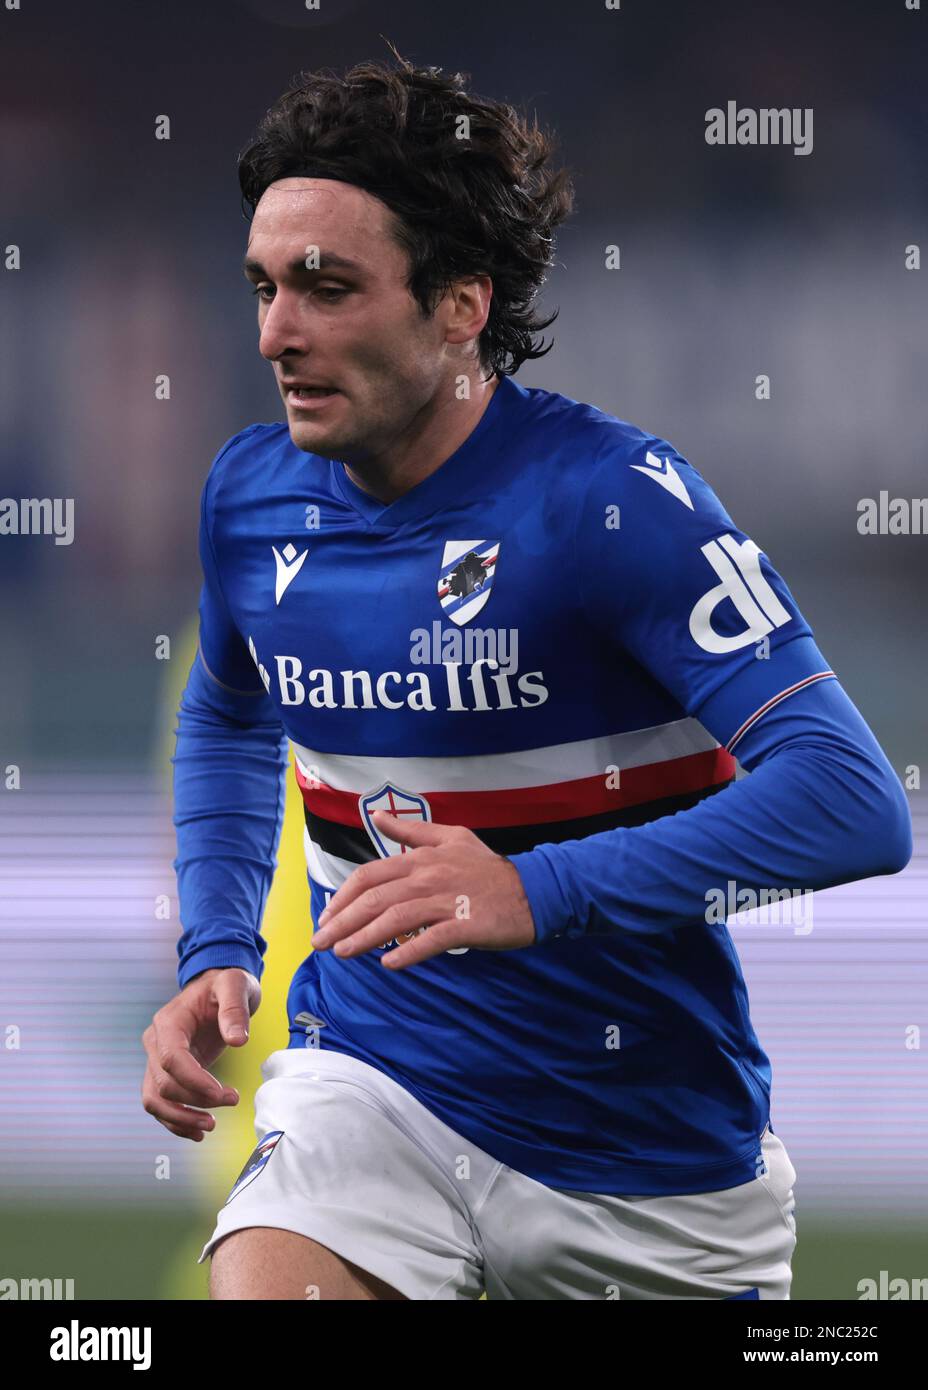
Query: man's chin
x=311 y=439
x=314 y=423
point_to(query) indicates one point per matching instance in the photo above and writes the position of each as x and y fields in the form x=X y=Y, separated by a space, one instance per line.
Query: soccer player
x=516 y=644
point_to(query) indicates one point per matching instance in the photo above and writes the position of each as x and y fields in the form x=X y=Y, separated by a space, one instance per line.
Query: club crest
x=468 y=569
x=398 y=803
x=257 y=1163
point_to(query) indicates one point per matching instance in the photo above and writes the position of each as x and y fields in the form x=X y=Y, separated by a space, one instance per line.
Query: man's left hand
x=447 y=881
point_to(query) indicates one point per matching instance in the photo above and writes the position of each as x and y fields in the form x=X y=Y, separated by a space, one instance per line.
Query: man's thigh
x=353 y=1173
x=547 y=1243
x=261 y=1262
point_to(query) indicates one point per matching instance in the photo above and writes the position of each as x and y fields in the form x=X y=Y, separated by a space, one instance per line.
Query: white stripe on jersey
x=531 y=767
x=328 y=870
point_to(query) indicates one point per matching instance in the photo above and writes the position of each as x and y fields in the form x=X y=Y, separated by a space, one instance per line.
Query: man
x=516 y=644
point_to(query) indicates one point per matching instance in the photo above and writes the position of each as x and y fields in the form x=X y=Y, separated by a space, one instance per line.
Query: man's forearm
x=229 y=790
x=821 y=807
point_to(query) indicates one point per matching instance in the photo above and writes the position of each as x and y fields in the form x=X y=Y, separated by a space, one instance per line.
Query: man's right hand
x=194 y=1028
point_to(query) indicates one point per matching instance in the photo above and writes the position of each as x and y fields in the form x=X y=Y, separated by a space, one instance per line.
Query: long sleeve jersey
x=573 y=685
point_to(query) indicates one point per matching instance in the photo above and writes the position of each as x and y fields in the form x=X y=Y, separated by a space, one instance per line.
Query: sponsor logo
x=741 y=581
x=482 y=685
x=308 y=1020
x=310 y=1025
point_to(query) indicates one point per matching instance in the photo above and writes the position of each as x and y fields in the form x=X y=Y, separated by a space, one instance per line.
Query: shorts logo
x=256 y=1163
x=398 y=803
x=465 y=579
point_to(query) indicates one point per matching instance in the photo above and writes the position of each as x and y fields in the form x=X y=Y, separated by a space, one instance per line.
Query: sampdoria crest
x=468 y=569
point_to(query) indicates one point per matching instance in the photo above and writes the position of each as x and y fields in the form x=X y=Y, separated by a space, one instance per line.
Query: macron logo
x=288 y=568
x=663 y=472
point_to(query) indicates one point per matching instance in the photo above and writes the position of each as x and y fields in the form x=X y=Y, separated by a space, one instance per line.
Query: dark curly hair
x=484 y=204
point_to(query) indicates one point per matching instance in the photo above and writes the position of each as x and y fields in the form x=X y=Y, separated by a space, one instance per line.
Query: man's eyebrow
x=328 y=260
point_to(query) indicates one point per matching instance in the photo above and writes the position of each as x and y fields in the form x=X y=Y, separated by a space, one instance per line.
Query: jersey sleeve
x=670 y=581
x=229 y=780
x=667 y=576
x=822 y=806
x=222 y=648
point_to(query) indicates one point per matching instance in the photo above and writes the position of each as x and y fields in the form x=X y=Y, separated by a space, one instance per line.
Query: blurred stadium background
x=734 y=262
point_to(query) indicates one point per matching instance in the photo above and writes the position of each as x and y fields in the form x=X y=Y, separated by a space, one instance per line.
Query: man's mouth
x=307 y=397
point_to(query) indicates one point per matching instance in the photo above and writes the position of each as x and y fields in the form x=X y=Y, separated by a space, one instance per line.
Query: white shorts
x=352 y=1160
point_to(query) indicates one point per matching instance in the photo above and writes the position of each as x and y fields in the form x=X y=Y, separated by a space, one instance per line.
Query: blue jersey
x=558 y=639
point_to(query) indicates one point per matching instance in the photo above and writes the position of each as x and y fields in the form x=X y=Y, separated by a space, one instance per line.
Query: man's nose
x=282 y=327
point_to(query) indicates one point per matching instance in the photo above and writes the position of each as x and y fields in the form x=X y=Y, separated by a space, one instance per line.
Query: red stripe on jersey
x=556 y=801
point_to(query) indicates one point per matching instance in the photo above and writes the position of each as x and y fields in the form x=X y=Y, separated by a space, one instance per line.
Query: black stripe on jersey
x=352 y=843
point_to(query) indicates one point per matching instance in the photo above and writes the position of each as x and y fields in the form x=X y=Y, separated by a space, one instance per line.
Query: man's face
x=351 y=325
